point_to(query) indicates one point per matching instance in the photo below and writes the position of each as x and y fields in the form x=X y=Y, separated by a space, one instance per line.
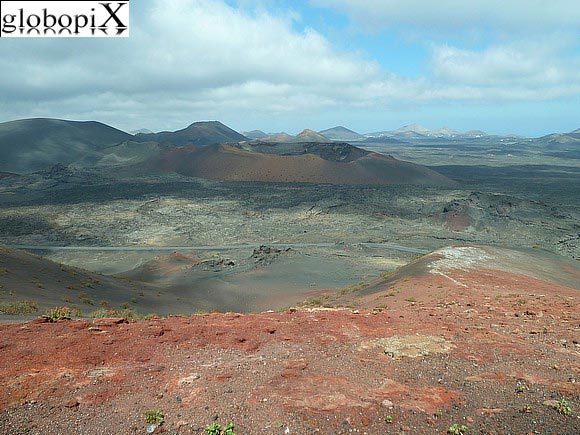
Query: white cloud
x=203 y=59
x=523 y=71
x=451 y=15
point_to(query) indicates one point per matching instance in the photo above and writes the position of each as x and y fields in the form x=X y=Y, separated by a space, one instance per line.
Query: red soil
x=495 y=350
x=223 y=162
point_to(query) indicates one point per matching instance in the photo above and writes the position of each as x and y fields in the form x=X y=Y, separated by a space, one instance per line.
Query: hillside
x=341 y=134
x=474 y=267
x=447 y=343
x=413 y=128
x=199 y=133
x=255 y=134
x=30 y=145
x=26 y=277
x=383 y=139
x=332 y=163
x=561 y=145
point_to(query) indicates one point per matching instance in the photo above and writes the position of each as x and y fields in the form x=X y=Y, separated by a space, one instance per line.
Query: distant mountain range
x=304 y=136
x=418 y=132
x=343 y=134
x=31 y=145
x=412 y=132
x=141 y=130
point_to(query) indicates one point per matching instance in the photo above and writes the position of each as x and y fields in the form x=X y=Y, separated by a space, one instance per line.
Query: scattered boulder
x=266 y=255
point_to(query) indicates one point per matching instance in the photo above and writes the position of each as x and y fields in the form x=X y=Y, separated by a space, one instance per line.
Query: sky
x=502 y=66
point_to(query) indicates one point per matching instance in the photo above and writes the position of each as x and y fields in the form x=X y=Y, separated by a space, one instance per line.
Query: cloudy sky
x=504 y=66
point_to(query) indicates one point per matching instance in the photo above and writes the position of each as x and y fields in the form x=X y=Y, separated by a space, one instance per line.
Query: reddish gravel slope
x=489 y=349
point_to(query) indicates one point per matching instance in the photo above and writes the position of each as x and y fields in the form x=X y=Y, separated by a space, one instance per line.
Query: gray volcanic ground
x=344 y=235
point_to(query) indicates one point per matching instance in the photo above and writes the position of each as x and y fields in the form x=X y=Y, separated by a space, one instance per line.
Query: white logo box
x=64 y=19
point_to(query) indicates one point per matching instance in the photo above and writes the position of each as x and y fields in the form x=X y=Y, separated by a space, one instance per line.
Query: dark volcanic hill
x=199 y=133
x=330 y=163
x=30 y=145
x=341 y=134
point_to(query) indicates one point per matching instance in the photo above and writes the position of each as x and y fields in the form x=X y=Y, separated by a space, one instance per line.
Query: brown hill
x=450 y=345
x=311 y=136
x=311 y=163
x=279 y=138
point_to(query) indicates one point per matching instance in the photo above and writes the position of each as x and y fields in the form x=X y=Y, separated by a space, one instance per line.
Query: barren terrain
x=452 y=343
x=363 y=334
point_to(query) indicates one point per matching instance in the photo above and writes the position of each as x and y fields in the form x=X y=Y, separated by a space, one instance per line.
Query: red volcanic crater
x=236 y=163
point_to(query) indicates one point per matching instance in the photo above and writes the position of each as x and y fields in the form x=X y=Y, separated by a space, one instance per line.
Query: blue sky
x=277 y=65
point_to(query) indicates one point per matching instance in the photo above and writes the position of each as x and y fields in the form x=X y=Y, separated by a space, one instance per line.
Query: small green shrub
x=154 y=416
x=216 y=429
x=456 y=429
x=316 y=301
x=18 y=307
x=102 y=313
x=521 y=388
x=563 y=407
x=389 y=419
x=126 y=314
x=129 y=314
x=59 y=313
x=85 y=299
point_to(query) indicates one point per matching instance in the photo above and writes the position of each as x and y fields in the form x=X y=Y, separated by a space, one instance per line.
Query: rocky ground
x=173 y=211
x=452 y=342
